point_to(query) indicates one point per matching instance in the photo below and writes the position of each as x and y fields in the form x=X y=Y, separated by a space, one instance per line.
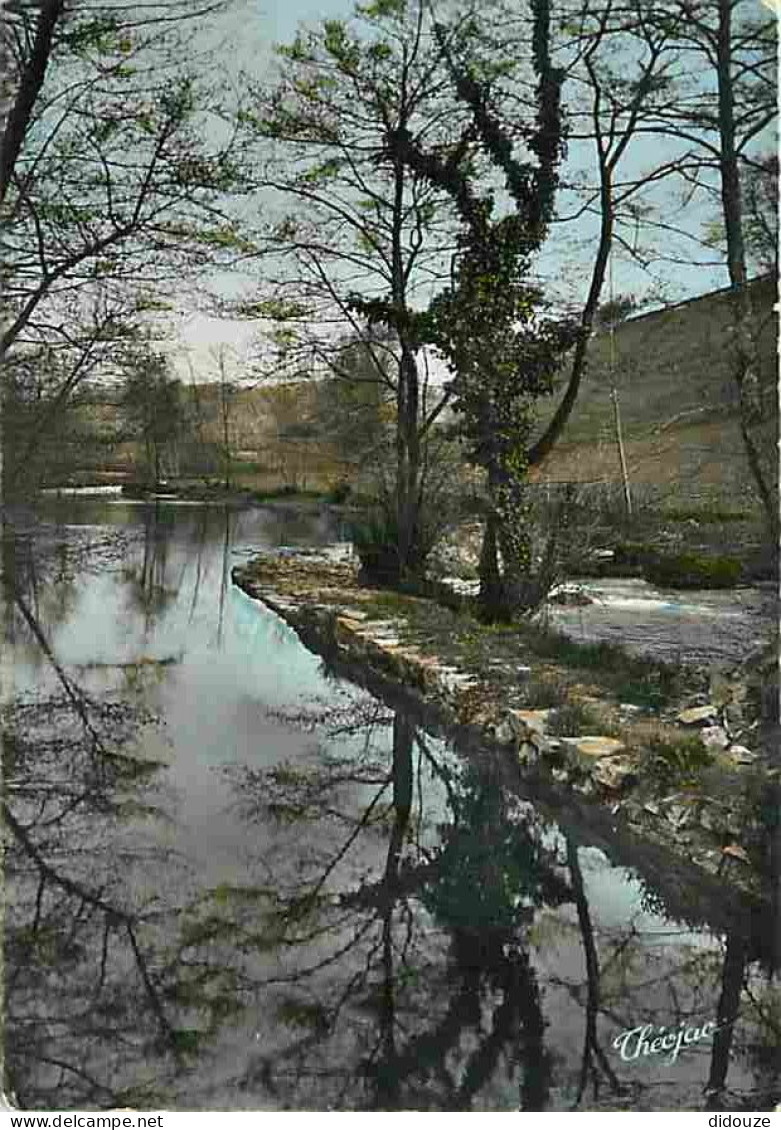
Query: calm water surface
x=235 y=880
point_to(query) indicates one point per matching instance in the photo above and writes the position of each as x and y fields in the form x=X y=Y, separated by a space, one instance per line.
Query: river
x=236 y=880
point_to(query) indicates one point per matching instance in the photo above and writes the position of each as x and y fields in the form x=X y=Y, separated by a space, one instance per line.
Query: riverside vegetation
x=683 y=754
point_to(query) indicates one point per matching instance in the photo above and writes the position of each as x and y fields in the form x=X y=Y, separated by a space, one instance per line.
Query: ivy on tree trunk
x=501 y=355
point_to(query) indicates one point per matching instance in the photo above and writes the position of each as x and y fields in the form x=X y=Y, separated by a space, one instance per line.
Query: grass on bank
x=582 y=685
x=499 y=654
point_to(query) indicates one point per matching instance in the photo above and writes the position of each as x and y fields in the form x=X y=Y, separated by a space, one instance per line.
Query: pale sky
x=248 y=36
x=249 y=33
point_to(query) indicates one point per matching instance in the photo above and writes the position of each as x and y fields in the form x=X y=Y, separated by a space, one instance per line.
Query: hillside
x=678 y=404
x=677 y=396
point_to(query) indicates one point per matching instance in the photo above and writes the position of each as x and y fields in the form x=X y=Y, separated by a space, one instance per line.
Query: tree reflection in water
x=149 y=590
x=428 y=988
x=87 y=985
x=75 y=960
x=440 y=992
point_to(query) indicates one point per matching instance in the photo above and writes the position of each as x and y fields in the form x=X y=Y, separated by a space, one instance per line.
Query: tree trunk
x=408 y=461
x=225 y=412
x=226 y=441
x=726 y=1016
x=505 y=593
x=20 y=115
x=591 y=1050
x=407 y=395
x=16 y=122
x=490 y=579
x=149 y=458
x=8 y=578
x=773 y=832
x=388 y=1075
x=540 y=450
x=745 y=348
x=514 y=534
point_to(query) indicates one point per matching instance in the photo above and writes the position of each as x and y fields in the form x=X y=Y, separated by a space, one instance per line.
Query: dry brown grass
x=678 y=403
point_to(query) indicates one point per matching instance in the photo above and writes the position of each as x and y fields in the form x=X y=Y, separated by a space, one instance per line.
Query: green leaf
x=382 y=9
x=186 y=1039
x=275 y=309
x=379 y=52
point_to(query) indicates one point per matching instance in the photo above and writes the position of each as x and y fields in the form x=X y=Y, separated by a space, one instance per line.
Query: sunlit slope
x=678 y=402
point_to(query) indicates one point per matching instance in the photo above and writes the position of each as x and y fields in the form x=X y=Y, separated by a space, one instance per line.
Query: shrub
x=633 y=554
x=339 y=492
x=677 y=761
x=376 y=541
x=543 y=694
x=573 y=719
x=692 y=571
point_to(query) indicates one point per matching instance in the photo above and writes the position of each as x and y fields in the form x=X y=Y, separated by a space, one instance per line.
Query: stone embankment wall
x=337 y=617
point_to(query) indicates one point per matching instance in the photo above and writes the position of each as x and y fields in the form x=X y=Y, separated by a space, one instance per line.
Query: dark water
x=235 y=880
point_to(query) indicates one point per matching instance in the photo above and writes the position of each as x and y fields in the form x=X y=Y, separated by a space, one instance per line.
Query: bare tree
x=607 y=99
x=227 y=395
x=153 y=406
x=705 y=94
x=110 y=183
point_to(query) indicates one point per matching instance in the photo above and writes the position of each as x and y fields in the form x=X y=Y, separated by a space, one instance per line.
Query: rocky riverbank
x=674 y=754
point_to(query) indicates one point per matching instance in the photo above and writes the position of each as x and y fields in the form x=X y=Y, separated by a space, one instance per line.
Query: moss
x=692 y=570
x=707 y=513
